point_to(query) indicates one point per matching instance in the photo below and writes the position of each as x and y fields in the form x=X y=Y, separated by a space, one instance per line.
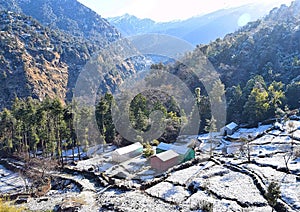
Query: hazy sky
x=164 y=10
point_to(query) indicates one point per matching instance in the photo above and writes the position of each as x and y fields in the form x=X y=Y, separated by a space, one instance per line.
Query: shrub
x=273 y=193
x=148 y=151
x=203 y=206
x=6 y=207
x=155 y=142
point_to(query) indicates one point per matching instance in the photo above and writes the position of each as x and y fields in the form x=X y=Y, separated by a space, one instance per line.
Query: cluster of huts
x=168 y=155
x=165 y=157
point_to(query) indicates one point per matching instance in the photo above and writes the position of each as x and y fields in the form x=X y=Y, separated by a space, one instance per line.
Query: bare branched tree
x=246 y=147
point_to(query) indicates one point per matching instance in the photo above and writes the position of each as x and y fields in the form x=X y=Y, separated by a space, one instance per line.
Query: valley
x=218 y=183
x=128 y=114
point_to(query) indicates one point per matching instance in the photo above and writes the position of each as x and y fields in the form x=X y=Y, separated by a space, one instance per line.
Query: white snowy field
x=11 y=182
x=196 y=201
x=231 y=185
x=169 y=192
x=182 y=177
x=250 y=132
x=289 y=187
x=135 y=201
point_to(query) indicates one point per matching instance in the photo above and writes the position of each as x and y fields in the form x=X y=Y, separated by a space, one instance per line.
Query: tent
x=185 y=153
x=127 y=152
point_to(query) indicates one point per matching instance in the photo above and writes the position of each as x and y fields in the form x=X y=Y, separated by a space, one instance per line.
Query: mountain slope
x=40 y=61
x=196 y=30
x=31 y=62
x=259 y=65
x=67 y=15
x=269 y=47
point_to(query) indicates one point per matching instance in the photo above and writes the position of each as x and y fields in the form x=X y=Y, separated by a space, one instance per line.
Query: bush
x=273 y=194
x=155 y=142
x=203 y=206
x=6 y=207
x=148 y=151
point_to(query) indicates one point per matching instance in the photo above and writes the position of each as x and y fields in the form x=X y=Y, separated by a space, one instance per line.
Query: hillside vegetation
x=259 y=65
x=42 y=59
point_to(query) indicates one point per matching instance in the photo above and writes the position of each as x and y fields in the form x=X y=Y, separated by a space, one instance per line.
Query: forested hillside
x=259 y=65
x=67 y=15
x=40 y=60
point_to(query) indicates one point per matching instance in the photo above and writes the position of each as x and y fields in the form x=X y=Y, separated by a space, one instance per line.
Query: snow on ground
x=11 y=182
x=263 y=151
x=197 y=200
x=169 y=192
x=296 y=134
x=138 y=168
x=98 y=163
x=270 y=174
x=266 y=139
x=136 y=164
x=100 y=150
x=207 y=136
x=289 y=187
x=134 y=201
x=183 y=176
x=253 y=132
x=279 y=162
x=211 y=172
x=146 y=175
x=229 y=184
x=275 y=132
x=281 y=140
x=292 y=125
x=53 y=199
x=234 y=185
x=290 y=192
x=80 y=179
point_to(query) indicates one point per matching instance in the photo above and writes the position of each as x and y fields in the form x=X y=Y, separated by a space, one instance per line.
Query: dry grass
x=5 y=206
x=74 y=202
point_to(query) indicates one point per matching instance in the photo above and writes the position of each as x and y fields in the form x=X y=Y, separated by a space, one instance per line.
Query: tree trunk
x=78 y=151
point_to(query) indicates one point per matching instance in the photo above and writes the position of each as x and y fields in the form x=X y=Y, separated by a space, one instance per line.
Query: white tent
x=127 y=152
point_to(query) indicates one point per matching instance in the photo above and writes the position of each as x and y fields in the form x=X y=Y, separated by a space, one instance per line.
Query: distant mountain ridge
x=196 y=30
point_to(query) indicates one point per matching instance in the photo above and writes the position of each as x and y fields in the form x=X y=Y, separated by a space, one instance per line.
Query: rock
x=283 y=169
x=74 y=163
x=44 y=199
x=21 y=199
x=69 y=207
